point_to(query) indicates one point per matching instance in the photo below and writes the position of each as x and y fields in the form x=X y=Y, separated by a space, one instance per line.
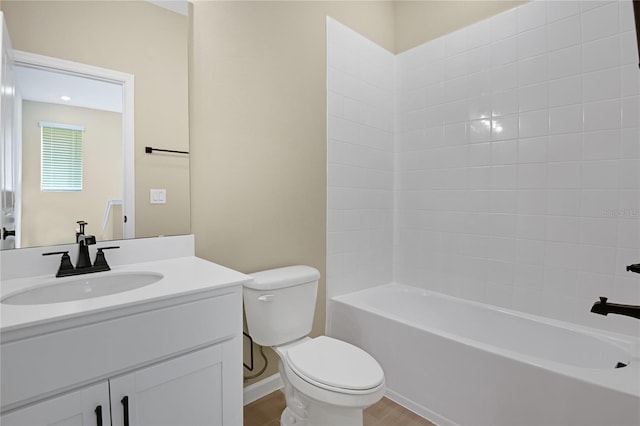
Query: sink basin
x=79 y=288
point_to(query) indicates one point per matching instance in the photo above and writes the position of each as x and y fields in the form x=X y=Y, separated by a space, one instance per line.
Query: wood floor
x=266 y=412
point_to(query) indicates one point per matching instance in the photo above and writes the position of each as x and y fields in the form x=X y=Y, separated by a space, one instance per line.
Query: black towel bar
x=149 y=150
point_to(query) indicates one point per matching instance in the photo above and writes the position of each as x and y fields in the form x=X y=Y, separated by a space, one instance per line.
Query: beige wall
x=417 y=22
x=258 y=131
x=137 y=38
x=49 y=217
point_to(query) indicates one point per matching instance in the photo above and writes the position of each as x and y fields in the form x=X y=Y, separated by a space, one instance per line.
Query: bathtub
x=459 y=362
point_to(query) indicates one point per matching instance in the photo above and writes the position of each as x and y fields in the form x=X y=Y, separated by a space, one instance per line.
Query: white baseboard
x=262 y=388
x=418 y=409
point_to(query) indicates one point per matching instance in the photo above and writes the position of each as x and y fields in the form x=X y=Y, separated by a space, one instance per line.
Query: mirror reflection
x=149 y=43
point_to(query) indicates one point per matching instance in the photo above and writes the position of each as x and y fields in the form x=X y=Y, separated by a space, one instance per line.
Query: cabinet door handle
x=125 y=407
x=99 y=415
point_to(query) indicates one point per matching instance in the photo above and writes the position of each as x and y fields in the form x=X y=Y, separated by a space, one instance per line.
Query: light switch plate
x=158 y=196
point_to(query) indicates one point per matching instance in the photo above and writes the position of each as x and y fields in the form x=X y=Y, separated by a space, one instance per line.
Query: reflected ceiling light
x=65 y=98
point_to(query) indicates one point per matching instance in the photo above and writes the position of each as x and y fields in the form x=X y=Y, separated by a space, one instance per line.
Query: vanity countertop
x=184 y=277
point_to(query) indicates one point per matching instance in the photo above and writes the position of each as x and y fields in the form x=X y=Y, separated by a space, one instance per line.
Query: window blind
x=61 y=157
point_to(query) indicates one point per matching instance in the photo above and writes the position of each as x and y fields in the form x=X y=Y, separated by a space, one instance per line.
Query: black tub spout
x=604 y=308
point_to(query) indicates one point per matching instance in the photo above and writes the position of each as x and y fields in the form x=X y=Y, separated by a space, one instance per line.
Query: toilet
x=327 y=382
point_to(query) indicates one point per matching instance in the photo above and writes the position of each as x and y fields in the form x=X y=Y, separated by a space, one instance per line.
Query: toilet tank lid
x=288 y=276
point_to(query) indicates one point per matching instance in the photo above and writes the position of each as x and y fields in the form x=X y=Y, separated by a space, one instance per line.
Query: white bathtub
x=459 y=362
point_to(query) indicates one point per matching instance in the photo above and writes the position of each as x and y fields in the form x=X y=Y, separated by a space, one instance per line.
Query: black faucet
x=604 y=308
x=83 y=264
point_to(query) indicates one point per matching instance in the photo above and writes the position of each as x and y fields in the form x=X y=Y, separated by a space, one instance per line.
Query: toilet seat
x=335 y=365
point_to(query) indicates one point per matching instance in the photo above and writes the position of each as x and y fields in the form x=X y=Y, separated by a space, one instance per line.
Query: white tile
x=531 y=226
x=502 y=249
x=479 y=59
x=528 y=284
x=455 y=89
x=479 y=34
x=502 y=225
x=504 y=78
x=597 y=259
x=563 y=228
x=502 y=201
x=565 y=147
x=456 y=66
x=531 y=202
x=504 y=51
x=564 y=175
x=601 y=85
x=605 y=145
x=532 y=150
x=534 y=123
x=455 y=112
x=531 y=15
x=600 y=174
x=455 y=134
x=631 y=112
x=558 y=9
x=505 y=102
x=628 y=202
x=504 y=127
x=532 y=70
x=532 y=176
x=628 y=233
x=505 y=152
x=596 y=202
x=629 y=173
x=564 y=202
x=455 y=42
x=630 y=80
x=565 y=91
x=479 y=107
x=504 y=25
x=503 y=177
x=627 y=22
x=603 y=115
x=565 y=119
x=532 y=43
x=630 y=145
x=600 y=22
x=565 y=62
x=535 y=96
x=628 y=48
x=479 y=131
x=479 y=84
x=479 y=154
x=598 y=231
x=601 y=54
x=564 y=33
x=561 y=254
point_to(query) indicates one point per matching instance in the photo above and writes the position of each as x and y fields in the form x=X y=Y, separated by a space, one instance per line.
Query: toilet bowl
x=326 y=381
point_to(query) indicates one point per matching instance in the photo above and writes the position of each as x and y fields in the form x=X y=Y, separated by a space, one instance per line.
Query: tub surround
x=181 y=334
x=514 y=171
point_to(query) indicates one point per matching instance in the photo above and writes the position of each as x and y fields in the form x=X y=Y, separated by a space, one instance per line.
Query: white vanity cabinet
x=173 y=362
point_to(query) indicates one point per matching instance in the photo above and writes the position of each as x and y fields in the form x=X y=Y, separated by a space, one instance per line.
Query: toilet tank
x=280 y=304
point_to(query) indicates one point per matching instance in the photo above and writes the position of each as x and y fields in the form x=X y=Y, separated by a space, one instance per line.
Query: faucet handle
x=65 y=262
x=603 y=300
x=101 y=261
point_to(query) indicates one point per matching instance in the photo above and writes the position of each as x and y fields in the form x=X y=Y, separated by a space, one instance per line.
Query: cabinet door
x=182 y=391
x=86 y=406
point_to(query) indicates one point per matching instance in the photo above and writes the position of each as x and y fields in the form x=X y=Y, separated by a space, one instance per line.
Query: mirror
x=136 y=38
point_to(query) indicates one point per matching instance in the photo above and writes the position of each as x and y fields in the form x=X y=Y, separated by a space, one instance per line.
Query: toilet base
x=308 y=412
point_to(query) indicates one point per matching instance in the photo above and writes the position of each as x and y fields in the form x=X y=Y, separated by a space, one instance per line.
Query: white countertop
x=183 y=276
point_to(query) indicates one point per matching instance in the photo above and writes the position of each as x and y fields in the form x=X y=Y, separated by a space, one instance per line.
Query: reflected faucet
x=84 y=241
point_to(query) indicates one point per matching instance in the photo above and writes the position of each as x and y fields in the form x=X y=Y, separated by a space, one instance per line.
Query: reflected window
x=61 y=157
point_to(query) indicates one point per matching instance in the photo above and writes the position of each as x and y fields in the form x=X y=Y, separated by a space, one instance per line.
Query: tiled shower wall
x=515 y=179
x=360 y=103
x=517 y=161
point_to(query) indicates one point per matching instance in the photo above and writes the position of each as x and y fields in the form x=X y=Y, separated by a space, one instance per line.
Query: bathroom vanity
x=164 y=353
